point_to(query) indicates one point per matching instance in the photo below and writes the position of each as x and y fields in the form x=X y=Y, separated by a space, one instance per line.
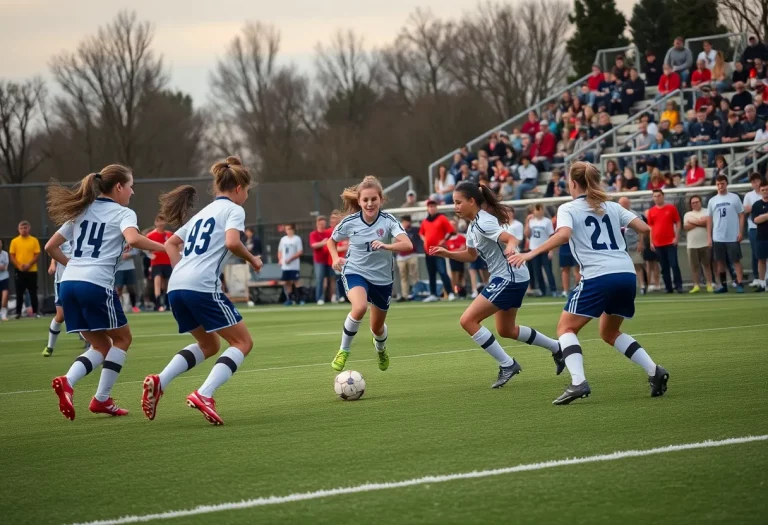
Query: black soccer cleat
x=559 y=360
x=658 y=382
x=506 y=373
x=572 y=393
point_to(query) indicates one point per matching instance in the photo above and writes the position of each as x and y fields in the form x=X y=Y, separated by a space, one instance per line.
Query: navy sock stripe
x=224 y=360
x=111 y=365
x=532 y=338
x=349 y=332
x=189 y=357
x=634 y=347
x=54 y=332
x=573 y=349
x=86 y=363
x=489 y=342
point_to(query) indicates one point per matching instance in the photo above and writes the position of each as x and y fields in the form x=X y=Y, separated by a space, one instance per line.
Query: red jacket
x=669 y=83
x=593 y=82
x=435 y=229
x=548 y=145
x=530 y=128
x=700 y=76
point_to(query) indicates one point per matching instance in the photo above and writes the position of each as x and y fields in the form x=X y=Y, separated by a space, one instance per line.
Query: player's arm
x=709 y=229
x=235 y=245
x=53 y=248
x=402 y=244
x=467 y=255
x=561 y=236
x=137 y=240
x=760 y=219
x=510 y=241
x=741 y=227
x=173 y=248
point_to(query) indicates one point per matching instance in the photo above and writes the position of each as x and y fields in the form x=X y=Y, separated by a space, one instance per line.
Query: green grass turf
x=431 y=413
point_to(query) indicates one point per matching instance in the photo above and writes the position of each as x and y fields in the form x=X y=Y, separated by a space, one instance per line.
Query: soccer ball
x=349 y=385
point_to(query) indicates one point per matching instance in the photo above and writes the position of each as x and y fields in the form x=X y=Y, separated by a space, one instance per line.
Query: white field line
x=426 y=354
x=426 y=480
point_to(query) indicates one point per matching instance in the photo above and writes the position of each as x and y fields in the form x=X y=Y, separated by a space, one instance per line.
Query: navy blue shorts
x=57 y=294
x=212 y=311
x=4 y=284
x=379 y=295
x=290 y=275
x=456 y=266
x=761 y=250
x=566 y=257
x=478 y=264
x=125 y=277
x=89 y=307
x=613 y=294
x=163 y=270
x=504 y=294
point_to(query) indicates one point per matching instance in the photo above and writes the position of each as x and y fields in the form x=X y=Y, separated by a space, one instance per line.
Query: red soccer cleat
x=106 y=407
x=206 y=405
x=151 y=397
x=61 y=386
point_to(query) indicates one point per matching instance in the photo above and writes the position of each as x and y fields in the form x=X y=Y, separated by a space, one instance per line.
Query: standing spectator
x=699 y=252
x=751 y=124
x=632 y=91
x=253 y=245
x=125 y=276
x=539 y=229
x=434 y=231
x=678 y=139
x=680 y=58
x=321 y=258
x=24 y=252
x=665 y=231
x=408 y=261
x=289 y=251
x=732 y=131
x=742 y=98
x=652 y=71
x=754 y=50
x=456 y=242
x=444 y=185
x=5 y=279
x=759 y=216
x=702 y=76
x=160 y=264
x=342 y=247
x=725 y=222
x=669 y=82
x=634 y=246
x=721 y=75
x=709 y=55
x=702 y=133
x=694 y=174
x=749 y=200
x=529 y=176
x=620 y=71
x=531 y=127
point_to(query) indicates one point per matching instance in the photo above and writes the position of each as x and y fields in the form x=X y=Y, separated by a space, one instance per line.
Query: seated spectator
x=732 y=130
x=694 y=174
x=595 y=79
x=516 y=140
x=531 y=127
x=652 y=71
x=604 y=126
x=741 y=99
x=739 y=74
x=551 y=113
x=723 y=110
x=642 y=142
x=762 y=135
x=546 y=149
x=444 y=185
x=611 y=174
x=600 y=98
x=564 y=146
x=577 y=109
x=669 y=82
x=680 y=59
x=468 y=155
x=455 y=169
x=751 y=124
x=702 y=133
x=510 y=157
x=565 y=102
x=664 y=129
x=583 y=95
x=652 y=127
x=671 y=113
x=628 y=181
x=410 y=200
x=709 y=55
x=525 y=146
x=702 y=76
x=465 y=173
x=690 y=118
x=474 y=172
x=483 y=168
x=556 y=185
x=721 y=167
x=528 y=175
x=620 y=71
x=507 y=190
x=757 y=76
x=760 y=107
x=677 y=180
x=721 y=74
x=754 y=50
x=662 y=160
x=678 y=139
x=484 y=180
x=633 y=90
x=500 y=171
x=657 y=180
x=580 y=145
x=494 y=148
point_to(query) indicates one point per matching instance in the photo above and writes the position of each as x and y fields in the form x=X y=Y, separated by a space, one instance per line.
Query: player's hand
x=739 y=237
x=519 y=259
x=378 y=245
x=549 y=255
x=52 y=269
x=256 y=263
x=653 y=248
x=438 y=251
x=710 y=243
x=639 y=247
x=339 y=264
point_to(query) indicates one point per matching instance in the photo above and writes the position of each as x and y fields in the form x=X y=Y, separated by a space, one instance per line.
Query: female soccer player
x=592 y=225
x=95 y=219
x=160 y=264
x=57 y=270
x=538 y=229
x=197 y=252
x=4 y=280
x=368 y=269
x=504 y=294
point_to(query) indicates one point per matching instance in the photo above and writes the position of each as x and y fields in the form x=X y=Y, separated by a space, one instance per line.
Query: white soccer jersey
x=596 y=240
x=288 y=247
x=66 y=249
x=515 y=229
x=541 y=230
x=724 y=210
x=375 y=266
x=204 y=252
x=483 y=236
x=97 y=242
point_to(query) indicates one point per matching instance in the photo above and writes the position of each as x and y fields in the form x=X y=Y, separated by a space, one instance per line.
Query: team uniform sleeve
x=395 y=228
x=626 y=216
x=67 y=230
x=235 y=219
x=128 y=220
x=564 y=218
x=491 y=229
x=340 y=232
x=181 y=233
x=739 y=206
x=470 y=241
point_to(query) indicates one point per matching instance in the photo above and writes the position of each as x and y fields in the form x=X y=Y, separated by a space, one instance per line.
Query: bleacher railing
x=732 y=148
x=605 y=58
x=614 y=132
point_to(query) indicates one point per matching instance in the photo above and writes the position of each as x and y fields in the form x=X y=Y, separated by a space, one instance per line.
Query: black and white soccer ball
x=349 y=385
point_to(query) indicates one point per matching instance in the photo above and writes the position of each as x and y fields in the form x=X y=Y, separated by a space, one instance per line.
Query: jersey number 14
x=95 y=238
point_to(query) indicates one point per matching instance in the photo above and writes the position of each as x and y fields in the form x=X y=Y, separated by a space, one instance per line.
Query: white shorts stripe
x=228 y=315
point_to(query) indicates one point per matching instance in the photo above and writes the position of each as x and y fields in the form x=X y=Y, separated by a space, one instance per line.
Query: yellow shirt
x=672 y=116
x=24 y=249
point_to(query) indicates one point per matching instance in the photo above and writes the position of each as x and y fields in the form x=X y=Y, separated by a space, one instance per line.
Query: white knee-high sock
x=225 y=366
x=574 y=360
x=627 y=345
x=488 y=342
x=530 y=336
x=84 y=365
x=351 y=326
x=186 y=359
x=380 y=340
x=53 y=333
x=110 y=371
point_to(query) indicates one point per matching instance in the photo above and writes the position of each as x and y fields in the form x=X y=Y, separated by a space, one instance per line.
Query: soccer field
x=431 y=414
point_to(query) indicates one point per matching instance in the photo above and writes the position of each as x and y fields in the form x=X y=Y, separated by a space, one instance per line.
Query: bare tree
x=22 y=107
x=746 y=15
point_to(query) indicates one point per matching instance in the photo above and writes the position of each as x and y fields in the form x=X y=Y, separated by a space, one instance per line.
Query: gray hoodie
x=679 y=59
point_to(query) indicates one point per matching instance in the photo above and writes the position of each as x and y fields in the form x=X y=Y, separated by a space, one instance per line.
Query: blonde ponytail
x=587 y=176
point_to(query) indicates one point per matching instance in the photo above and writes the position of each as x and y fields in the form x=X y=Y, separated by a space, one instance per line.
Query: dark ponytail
x=176 y=204
x=486 y=199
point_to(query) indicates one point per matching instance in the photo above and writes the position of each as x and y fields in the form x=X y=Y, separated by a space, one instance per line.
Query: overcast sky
x=192 y=34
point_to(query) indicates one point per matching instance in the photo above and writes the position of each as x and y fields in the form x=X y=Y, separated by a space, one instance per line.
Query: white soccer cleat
x=431 y=299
